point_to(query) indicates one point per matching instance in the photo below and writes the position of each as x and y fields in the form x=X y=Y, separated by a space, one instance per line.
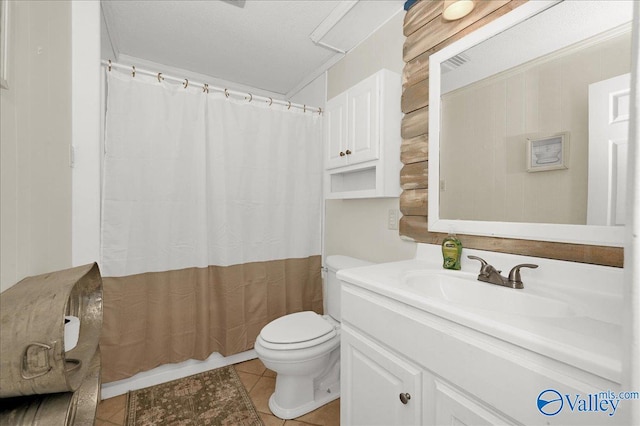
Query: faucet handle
x=484 y=266
x=514 y=274
x=482 y=261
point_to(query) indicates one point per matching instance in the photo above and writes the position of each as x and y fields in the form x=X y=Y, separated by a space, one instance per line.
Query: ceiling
x=260 y=44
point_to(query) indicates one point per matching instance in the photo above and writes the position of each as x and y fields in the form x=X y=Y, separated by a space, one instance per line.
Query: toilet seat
x=297 y=331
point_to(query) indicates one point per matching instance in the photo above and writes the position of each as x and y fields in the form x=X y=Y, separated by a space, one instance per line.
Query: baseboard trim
x=168 y=372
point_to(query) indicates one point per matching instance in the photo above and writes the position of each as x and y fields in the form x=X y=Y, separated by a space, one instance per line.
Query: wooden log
x=413 y=202
x=415 y=97
x=420 y=14
x=418 y=68
x=438 y=30
x=415 y=228
x=415 y=123
x=414 y=176
x=414 y=150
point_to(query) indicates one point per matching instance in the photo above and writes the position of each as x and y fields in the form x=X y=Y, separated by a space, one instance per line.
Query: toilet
x=304 y=350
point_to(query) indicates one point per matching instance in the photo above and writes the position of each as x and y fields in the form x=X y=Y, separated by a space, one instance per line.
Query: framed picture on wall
x=548 y=152
x=4 y=42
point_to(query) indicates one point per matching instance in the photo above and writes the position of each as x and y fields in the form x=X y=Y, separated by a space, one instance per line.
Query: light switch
x=393 y=218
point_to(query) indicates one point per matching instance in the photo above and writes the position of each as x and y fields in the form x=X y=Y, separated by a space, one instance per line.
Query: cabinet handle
x=348 y=152
x=405 y=397
x=342 y=154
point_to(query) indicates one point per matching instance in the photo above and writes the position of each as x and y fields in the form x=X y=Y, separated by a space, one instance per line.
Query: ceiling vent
x=239 y=3
x=454 y=63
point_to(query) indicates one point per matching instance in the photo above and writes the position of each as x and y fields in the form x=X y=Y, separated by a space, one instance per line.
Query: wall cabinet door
x=363 y=135
x=377 y=386
x=352 y=125
x=335 y=130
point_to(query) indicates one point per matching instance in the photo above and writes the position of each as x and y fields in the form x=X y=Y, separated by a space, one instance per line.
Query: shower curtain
x=211 y=216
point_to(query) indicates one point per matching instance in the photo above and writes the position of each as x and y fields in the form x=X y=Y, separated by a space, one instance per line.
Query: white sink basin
x=463 y=289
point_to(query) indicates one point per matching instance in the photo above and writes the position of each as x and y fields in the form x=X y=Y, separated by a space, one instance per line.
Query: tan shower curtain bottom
x=157 y=318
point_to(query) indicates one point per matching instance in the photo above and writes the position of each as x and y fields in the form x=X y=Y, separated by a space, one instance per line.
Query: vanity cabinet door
x=378 y=386
x=452 y=406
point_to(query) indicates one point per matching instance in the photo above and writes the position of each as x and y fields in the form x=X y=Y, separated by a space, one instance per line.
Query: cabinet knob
x=342 y=154
x=348 y=152
x=405 y=397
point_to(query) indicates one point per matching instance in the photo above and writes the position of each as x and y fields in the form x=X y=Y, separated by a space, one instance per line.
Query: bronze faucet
x=491 y=275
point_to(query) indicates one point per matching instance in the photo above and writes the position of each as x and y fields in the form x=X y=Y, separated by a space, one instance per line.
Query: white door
x=608 y=141
x=377 y=387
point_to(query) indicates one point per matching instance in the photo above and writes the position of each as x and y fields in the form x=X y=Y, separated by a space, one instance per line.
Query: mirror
x=516 y=113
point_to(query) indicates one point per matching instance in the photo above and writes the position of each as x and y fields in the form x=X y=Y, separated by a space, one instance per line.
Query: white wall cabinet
x=362 y=139
x=454 y=374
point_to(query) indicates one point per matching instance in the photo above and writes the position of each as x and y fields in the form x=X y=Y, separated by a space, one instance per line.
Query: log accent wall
x=427 y=32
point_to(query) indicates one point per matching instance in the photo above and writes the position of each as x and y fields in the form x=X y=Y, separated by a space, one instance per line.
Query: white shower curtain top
x=194 y=179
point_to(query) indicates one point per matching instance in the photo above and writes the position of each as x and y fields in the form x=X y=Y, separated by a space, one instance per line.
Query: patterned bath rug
x=215 y=397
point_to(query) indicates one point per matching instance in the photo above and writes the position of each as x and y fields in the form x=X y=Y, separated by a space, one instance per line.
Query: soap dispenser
x=451 y=252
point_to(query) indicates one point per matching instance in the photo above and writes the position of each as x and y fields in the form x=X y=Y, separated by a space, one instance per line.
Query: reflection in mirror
x=491 y=120
x=525 y=125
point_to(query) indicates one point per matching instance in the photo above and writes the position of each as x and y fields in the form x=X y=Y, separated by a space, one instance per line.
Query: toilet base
x=320 y=398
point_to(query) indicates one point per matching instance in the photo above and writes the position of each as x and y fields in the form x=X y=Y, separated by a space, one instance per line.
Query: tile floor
x=259 y=382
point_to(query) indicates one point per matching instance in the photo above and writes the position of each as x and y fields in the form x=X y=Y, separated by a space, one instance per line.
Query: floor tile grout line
x=105 y=420
x=254 y=385
x=109 y=422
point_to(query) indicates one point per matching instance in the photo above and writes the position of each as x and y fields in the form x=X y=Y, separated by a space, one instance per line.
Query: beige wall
x=358 y=228
x=35 y=134
x=383 y=49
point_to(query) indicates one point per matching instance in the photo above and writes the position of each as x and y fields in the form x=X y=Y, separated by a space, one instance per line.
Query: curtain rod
x=206 y=87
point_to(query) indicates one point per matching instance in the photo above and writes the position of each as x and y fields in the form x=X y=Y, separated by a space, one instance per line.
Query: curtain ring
x=270 y=101
x=160 y=77
x=289 y=107
x=134 y=71
x=226 y=93
x=186 y=83
x=250 y=97
x=205 y=88
x=109 y=68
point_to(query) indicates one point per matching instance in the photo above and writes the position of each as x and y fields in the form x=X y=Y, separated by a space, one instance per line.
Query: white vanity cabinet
x=362 y=139
x=455 y=375
x=383 y=387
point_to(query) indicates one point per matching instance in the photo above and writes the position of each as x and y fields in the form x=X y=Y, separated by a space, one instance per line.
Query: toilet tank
x=332 y=285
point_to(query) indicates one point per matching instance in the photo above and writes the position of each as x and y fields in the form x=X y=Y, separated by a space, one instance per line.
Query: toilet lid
x=296 y=328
